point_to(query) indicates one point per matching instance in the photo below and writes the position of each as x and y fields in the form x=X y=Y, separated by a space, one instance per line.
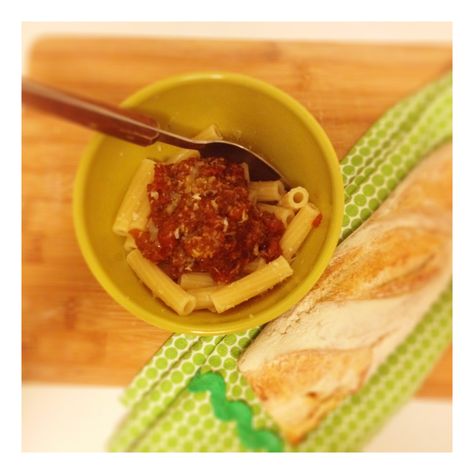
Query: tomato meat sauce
x=317 y=221
x=203 y=220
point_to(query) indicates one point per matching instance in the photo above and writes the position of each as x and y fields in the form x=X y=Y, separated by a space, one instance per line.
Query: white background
x=78 y=418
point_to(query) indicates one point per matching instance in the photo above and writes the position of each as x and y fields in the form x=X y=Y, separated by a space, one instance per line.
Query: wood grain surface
x=73 y=332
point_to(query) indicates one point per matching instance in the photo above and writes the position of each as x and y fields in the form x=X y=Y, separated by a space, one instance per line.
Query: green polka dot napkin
x=191 y=397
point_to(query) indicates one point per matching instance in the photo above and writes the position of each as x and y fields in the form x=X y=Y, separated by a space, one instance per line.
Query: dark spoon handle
x=125 y=124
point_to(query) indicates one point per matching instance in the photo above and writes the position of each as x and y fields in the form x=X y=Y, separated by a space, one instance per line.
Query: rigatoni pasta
x=298 y=230
x=254 y=265
x=267 y=191
x=251 y=285
x=139 y=217
x=129 y=243
x=133 y=201
x=253 y=196
x=245 y=166
x=295 y=198
x=203 y=297
x=193 y=280
x=208 y=134
x=160 y=284
x=202 y=236
x=283 y=213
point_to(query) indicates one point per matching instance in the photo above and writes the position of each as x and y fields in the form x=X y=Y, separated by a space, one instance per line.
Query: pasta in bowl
x=193 y=244
x=201 y=235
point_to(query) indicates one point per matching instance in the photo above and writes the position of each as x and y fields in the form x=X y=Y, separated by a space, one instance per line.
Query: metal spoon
x=136 y=128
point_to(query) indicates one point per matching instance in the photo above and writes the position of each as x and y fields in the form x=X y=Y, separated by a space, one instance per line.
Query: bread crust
x=380 y=282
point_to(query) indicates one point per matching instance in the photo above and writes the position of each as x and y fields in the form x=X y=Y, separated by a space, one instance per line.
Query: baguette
x=380 y=282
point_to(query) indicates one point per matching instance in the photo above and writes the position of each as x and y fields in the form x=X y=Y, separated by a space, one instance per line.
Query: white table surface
x=79 y=418
x=73 y=418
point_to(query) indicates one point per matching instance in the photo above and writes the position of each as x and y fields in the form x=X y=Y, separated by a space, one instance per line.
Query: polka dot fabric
x=159 y=365
x=391 y=148
x=165 y=416
x=166 y=388
x=192 y=418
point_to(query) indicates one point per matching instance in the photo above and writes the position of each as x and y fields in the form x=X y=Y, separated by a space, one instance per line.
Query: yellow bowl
x=246 y=110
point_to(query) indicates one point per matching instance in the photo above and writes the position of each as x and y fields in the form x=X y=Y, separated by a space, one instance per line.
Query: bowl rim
x=223 y=327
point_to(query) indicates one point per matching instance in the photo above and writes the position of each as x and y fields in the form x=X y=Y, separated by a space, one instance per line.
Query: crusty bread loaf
x=380 y=282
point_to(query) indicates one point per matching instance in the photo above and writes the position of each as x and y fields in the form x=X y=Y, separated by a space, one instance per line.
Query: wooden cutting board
x=73 y=332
